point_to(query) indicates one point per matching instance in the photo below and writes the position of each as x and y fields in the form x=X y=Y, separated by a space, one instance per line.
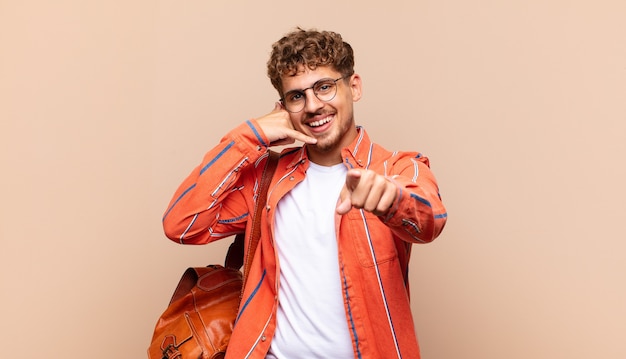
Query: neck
x=324 y=158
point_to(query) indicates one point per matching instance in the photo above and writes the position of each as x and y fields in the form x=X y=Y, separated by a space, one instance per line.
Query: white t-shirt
x=311 y=318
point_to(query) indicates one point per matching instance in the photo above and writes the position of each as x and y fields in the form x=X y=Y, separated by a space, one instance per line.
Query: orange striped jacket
x=216 y=201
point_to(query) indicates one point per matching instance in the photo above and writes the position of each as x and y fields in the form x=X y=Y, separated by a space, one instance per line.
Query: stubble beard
x=330 y=141
x=326 y=143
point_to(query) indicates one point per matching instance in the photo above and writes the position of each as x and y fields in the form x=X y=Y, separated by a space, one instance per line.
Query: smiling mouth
x=320 y=122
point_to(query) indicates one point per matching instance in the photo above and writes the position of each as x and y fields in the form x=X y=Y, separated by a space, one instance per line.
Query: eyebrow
x=313 y=85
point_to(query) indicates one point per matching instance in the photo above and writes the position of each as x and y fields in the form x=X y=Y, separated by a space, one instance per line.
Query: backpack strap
x=235 y=255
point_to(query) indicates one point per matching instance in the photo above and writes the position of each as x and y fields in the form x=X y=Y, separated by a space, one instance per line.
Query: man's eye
x=324 y=87
x=296 y=96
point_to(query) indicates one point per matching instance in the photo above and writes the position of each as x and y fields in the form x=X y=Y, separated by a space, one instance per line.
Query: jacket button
x=291 y=178
x=263 y=338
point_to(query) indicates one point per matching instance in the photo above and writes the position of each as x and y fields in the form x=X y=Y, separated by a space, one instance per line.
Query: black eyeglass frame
x=312 y=87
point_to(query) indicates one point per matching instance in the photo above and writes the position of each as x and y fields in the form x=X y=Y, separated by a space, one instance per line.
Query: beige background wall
x=105 y=107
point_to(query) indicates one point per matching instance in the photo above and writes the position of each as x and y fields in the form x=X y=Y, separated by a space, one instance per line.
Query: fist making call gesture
x=279 y=130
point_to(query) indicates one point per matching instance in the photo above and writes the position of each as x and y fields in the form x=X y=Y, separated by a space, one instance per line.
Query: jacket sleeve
x=213 y=201
x=418 y=214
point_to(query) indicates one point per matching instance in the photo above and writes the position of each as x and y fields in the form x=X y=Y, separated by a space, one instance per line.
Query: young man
x=330 y=276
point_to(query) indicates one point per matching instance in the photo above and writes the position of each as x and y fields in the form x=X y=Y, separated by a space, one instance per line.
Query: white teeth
x=320 y=122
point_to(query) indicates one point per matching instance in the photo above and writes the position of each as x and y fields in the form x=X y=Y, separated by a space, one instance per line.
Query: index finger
x=352 y=179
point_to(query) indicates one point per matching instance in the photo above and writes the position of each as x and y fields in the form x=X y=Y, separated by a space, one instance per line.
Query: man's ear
x=355 y=87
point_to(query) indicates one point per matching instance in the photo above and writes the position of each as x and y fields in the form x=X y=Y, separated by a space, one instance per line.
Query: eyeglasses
x=324 y=89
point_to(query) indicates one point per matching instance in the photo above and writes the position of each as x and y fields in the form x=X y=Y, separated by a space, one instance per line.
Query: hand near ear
x=367 y=190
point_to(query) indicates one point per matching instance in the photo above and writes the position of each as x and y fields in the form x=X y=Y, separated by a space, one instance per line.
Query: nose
x=312 y=102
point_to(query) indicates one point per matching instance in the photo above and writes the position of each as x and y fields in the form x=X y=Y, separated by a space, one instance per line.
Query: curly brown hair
x=310 y=48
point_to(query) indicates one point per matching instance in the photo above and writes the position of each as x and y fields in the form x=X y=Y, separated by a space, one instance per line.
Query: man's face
x=331 y=122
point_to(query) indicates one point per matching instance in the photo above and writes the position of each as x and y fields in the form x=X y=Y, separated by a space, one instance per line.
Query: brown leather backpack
x=200 y=317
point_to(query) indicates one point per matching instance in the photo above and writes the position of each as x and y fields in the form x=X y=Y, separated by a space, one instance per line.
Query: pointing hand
x=367 y=190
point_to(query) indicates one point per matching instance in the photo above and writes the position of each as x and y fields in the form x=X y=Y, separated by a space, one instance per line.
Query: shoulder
x=394 y=158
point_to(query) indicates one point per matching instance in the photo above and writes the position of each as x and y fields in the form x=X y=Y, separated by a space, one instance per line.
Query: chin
x=325 y=146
